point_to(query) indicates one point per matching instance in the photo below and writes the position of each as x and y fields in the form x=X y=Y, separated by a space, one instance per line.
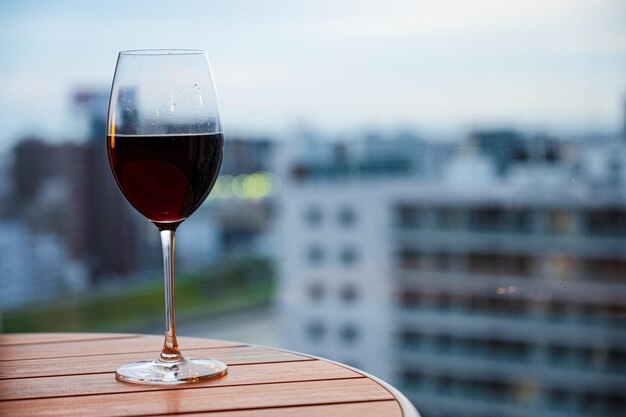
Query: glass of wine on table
x=165 y=147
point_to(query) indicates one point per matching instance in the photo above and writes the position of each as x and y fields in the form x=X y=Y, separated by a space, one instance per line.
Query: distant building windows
x=482 y=264
x=316 y=291
x=408 y=298
x=501 y=219
x=606 y=222
x=409 y=216
x=492 y=264
x=492 y=348
x=561 y=222
x=616 y=359
x=493 y=304
x=316 y=330
x=299 y=172
x=349 y=293
x=448 y=219
x=442 y=261
x=487 y=219
x=411 y=378
x=443 y=343
x=313 y=216
x=557 y=397
x=349 y=333
x=561 y=266
x=346 y=217
x=409 y=258
x=519 y=220
x=444 y=384
x=521 y=265
x=410 y=338
x=315 y=255
x=597 y=269
x=348 y=255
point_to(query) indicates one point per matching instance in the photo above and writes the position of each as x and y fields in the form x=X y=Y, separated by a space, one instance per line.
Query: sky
x=535 y=64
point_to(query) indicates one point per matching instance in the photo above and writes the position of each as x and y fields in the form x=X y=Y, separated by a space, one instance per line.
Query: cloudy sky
x=536 y=64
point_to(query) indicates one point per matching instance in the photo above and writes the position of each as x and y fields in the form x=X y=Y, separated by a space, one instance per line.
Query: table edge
x=407 y=408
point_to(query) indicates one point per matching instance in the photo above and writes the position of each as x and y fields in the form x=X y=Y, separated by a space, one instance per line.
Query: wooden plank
x=386 y=408
x=202 y=399
x=67 y=386
x=108 y=363
x=32 y=338
x=100 y=347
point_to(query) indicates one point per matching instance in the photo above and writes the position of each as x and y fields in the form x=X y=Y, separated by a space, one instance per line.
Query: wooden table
x=71 y=374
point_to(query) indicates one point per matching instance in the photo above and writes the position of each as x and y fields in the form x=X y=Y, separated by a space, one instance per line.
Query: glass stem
x=170 y=352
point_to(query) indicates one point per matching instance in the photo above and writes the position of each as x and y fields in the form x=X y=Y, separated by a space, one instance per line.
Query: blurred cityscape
x=483 y=276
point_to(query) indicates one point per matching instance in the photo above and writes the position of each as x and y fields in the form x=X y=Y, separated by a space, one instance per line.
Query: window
x=412 y=378
x=561 y=266
x=443 y=343
x=607 y=222
x=561 y=222
x=482 y=264
x=444 y=384
x=409 y=258
x=316 y=330
x=315 y=254
x=348 y=255
x=316 y=291
x=557 y=353
x=410 y=338
x=611 y=269
x=442 y=261
x=409 y=217
x=313 y=216
x=443 y=302
x=349 y=293
x=408 y=298
x=494 y=264
x=448 y=219
x=349 y=333
x=346 y=217
x=519 y=220
x=488 y=219
x=557 y=397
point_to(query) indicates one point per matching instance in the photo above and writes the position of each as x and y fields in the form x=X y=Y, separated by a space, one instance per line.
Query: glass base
x=169 y=373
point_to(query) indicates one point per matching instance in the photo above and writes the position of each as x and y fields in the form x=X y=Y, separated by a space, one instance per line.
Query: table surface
x=72 y=374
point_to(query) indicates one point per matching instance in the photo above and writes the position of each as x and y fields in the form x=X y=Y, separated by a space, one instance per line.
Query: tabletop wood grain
x=71 y=374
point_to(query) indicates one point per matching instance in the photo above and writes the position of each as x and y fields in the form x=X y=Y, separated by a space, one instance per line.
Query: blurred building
x=496 y=287
x=506 y=148
x=241 y=205
x=90 y=111
x=67 y=189
x=35 y=268
x=247 y=155
x=336 y=295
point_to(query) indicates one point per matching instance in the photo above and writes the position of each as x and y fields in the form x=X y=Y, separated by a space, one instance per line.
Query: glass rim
x=162 y=52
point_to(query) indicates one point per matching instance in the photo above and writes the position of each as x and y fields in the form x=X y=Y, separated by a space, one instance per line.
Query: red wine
x=166 y=177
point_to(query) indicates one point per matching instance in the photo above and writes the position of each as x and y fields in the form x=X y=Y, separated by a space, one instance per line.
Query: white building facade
x=477 y=295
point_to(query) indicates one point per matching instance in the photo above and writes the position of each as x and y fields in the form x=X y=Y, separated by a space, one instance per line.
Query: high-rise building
x=245 y=155
x=91 y=112
x=491 y=290
x=35 y=268
x=68 y=189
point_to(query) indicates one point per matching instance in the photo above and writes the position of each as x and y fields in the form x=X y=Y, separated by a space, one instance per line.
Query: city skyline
x=438 y=67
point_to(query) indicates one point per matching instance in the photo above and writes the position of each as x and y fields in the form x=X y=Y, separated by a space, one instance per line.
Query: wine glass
x=165 y=147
